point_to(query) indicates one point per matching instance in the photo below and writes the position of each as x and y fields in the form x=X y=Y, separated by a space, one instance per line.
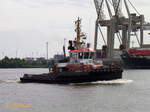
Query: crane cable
x=119 y=38
x=137 y=38
x=110 y=2
x=130 y=4
x=134 y=7
x=102 y=35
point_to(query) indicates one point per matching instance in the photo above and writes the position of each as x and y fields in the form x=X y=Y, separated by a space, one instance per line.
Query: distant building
x=40 y=59
x=29 y=59
x=59 y=56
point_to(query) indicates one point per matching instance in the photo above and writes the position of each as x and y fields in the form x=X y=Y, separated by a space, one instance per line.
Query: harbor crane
x=118 y=24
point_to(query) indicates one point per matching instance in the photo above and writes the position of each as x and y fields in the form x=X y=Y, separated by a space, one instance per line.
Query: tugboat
x=81 y=65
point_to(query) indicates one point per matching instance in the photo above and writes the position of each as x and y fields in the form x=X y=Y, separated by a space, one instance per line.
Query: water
x=131 y=94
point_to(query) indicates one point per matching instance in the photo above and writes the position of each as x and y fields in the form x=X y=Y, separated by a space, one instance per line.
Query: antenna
x=64 y=48
x=47 y=50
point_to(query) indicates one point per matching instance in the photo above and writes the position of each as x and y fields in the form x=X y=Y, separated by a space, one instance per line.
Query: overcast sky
x=26 y=25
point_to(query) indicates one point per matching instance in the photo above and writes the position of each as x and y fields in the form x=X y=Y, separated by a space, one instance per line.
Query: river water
x=130 y=94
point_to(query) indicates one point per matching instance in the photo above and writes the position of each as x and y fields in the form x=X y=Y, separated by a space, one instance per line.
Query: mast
x=77 y=43
x=79 y=34
x=78 y=31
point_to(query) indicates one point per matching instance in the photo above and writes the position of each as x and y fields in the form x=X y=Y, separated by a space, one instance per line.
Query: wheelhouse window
x=86 y=55
x=91 y=55
x=81 y=55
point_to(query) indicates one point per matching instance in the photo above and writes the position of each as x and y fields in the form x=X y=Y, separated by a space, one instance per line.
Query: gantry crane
x=117 y=24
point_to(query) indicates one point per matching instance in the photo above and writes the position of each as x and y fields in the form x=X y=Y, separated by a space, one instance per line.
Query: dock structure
x=118 y=25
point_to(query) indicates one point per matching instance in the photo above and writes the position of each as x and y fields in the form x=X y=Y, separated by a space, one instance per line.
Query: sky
x=26 y=25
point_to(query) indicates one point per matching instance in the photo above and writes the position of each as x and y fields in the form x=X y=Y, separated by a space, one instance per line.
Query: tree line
x=22 y=63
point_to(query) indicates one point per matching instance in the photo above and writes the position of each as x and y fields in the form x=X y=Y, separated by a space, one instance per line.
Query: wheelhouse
x=77 y=55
